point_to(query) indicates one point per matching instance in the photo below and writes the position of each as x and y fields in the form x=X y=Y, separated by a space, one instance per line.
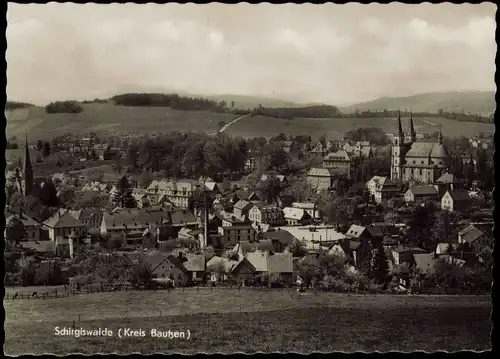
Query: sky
x=336 y=54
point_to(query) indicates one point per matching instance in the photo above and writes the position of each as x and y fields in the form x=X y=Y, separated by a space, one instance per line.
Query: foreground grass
x=250 y=321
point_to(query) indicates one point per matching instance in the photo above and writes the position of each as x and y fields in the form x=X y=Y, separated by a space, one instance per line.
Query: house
x=296 y=216
x=445 y=183
x=212 y=186
x=219 y=268
x=31 y=226
x=381 y=188
x=254 y=264
x=142 y=199
x=424 y=262
x=195 y=266
x=228 y=221
x=244 y=194
x=405 y=254
x=244 y=247
x=475 y=238
x=90 y=217
x=265 y=213
x=242 y=208
x=287 y=146
x=326 y=235
x=455 y=201
x=168 y=268
x=63 y=224
x=341 y=162
x=369 y=234
x=444 y=248
x=321 y=178
x=421 y=193
x=309 y=207
x=236 y=233
x=176 y=192
x=102 y=151
x=280 y=178
x=280 y=239
x=65 y=247
x=319 y=149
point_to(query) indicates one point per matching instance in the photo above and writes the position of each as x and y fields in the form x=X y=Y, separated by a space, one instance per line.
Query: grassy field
x=250 y=321
x=335 y=128
x=106 y=118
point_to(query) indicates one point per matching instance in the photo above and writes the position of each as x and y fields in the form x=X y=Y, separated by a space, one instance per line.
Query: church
x=417 y=161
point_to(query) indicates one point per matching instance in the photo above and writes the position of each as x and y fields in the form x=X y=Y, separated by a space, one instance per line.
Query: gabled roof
x=355 y=231
x=284 y=237
x=304 y=205
x=420 y=149
x=439 y=151
x=424 y=190
x=470 y=233
x=402 y=249
x=245 y=247
x=321 y=172
x=243 y=205
x=375 y=231
x=195 y=262
x=424 y=261
x=258 y=260
x=294 y=213
x=340 y=155
x=459 y=195
x=280 y=263
x=447 y=178
x=65 y=220
x=40 y=247
x=25 y=219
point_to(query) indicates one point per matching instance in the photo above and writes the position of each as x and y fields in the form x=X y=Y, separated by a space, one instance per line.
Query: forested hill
x=474 y=102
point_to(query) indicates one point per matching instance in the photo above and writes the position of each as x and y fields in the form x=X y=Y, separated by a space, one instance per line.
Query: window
x=422 y=162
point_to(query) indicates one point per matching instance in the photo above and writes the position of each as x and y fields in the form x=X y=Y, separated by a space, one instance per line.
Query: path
x=225 y=127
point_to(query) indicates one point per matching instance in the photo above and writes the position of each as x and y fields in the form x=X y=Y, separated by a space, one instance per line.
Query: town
x=407 y=212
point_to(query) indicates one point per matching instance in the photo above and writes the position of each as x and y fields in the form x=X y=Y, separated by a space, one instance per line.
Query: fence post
x=74 y=325
x=78 y=317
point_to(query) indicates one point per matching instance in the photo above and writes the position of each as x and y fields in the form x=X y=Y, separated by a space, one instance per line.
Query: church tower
x=27 y=170
x=412 y=134
x=396 y=151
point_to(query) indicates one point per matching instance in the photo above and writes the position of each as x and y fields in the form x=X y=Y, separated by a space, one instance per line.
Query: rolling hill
x=106 y=118
x=480 y=102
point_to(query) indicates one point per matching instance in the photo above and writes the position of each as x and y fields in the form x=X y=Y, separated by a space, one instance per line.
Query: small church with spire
x=417 y=161
x=27 y=172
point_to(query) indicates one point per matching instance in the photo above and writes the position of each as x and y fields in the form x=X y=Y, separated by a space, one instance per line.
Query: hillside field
x=335 y=128
x=250 y=320
x=108 y=118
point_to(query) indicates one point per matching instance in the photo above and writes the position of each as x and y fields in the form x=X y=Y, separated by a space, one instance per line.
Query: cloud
x=328 y=53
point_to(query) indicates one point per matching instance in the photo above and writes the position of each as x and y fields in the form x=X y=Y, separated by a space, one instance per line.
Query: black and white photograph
x=216 y=178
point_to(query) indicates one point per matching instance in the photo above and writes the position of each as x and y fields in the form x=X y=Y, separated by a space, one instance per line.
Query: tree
x=277 y=157
x=380 y=266
x=221 y=124
x=46 y=149
x=269 y=189
x=297 y=248
x=123 y=196
x=15 y=230
x=232 y=105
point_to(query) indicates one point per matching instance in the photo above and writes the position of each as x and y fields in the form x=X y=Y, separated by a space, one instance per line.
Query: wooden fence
x=52 y=294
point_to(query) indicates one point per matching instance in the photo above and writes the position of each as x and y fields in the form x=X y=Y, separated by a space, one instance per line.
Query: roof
x=304 y=205
x=420 y=149
x=195 y=262
x=25 y=219
x=250 y=247
x=64 y=220
x=101 y=147
x=424 y=190
x=355 y=231
x=459 y=195
x=375 y=231
x=294 y=213
x=402 y=249
x=137 y=218
x=284 y=237
x=443 y=247
x=321 y=172
x=470 y=233
x=40 y=247
x=424 y=261
x=439 y=151
x=287 y=143
x=340 y=155
x=447 y=178
x=243 y=204
x=258 y=259
x=280 y=263
x=227 y=263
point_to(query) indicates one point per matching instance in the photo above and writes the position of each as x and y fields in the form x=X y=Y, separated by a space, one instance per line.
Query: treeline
x=289 y=113
x=466 y=117
x=12 y=105
x=96 y=100
x=174 y=101
x=374 y=135
x=64 y=107
x=440 y=113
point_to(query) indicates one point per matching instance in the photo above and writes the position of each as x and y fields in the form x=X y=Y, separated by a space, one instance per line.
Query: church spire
x=440 y=136
x=27 y=169
x=400 y=127
x=412 y=134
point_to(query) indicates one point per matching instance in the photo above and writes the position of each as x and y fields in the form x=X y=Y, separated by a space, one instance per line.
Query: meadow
x=250 y=321
x=336 y=128
x=107 y=118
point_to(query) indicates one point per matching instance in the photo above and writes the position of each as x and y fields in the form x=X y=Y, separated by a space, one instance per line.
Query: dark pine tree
x=380 y=266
